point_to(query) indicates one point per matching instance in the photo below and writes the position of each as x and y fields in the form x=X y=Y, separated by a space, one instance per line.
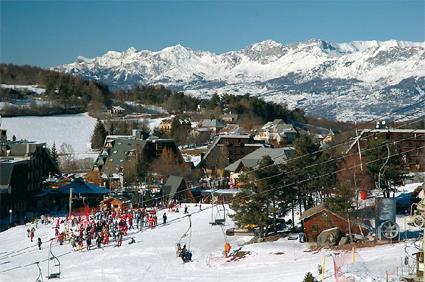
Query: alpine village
x=114 y=177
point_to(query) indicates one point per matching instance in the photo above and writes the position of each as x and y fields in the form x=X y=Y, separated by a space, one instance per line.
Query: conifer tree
x=301 y=168
x=54 y=154
x=260 y=197
x=385 y=164
x=99 y=135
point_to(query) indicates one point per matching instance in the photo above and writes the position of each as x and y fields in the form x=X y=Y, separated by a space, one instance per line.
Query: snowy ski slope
x=153 y=258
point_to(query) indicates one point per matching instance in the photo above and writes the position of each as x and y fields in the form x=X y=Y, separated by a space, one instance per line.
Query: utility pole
x=70 y=201
x=10 y=214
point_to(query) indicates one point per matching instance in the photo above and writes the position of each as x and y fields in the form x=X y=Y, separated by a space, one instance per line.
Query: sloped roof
x=120 y=198
x=172 y=185
x=219 y=137
x=213 y=123
x=318 y=209
x=278 y=155
x=79 y=186
x=230 y=129
x=118 y=153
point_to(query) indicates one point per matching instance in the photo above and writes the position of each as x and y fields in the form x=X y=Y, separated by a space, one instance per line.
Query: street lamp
x=10 y=214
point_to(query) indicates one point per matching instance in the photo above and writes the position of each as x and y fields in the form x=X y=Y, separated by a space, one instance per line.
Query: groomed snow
x=75 y=130
x=153 y=258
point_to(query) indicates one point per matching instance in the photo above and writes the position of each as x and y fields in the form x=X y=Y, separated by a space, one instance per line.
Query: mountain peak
x=130 y=50
x=266 y=44
x=177 y=47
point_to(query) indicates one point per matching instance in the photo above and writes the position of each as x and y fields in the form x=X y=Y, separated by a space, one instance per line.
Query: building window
x=314 y=228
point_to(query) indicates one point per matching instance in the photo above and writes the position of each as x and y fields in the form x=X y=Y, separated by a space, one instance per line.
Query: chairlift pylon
x=54 y=270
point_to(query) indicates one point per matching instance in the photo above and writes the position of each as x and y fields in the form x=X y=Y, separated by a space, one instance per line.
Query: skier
x=120 y=234
x=185 y=209
x=155 y=220
x=32 y=233
x=164 y=218
x=226 y=249
x=88 y=241
x=99 y=240
x=185 y=254
x=60 y=238
x=39 y=243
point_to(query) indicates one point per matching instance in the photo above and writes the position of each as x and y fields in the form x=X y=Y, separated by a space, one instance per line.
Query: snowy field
x=75 y=130
x=153 y=258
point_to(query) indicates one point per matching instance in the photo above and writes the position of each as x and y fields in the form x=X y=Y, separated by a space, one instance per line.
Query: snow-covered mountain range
x=357 y=80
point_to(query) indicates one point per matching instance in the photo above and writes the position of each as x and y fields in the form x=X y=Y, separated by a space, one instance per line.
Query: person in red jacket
x=151 y=221
x=32 y=233
x=106 y=238
x=60 y=238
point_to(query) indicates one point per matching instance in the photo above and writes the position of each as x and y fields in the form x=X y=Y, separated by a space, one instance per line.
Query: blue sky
x=51 y=33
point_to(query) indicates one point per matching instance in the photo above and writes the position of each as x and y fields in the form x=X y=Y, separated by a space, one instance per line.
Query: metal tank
x=385 y=210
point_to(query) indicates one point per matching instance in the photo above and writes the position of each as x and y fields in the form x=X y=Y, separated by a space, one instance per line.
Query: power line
x=263 y=191
x=348 y=141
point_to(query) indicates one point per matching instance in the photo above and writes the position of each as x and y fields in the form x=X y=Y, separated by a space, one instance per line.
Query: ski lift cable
x=280 y=187
x=348 y=141
x=313 y=165
x=287 y=185
x=322 y=150
x=330 y=160
x=196 y=212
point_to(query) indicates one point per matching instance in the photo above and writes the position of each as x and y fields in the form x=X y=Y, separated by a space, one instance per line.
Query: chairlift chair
x=218 y=220
x=40 y=275
x=54 y=269
x=188 y=255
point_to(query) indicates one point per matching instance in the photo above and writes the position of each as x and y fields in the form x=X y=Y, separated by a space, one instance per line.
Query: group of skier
x=100 y=227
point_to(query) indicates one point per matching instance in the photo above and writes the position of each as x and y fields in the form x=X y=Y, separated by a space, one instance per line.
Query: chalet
x=320 y=218
x=201 y=133
x=230 y=129
x=118 y=150
x=250 y=161
x=116 y=110
x=215 y=125
x=116 y=203
x=23 y=167
x=410 y=144
x=165 y=126
x=225 y=150
x=277 y=132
